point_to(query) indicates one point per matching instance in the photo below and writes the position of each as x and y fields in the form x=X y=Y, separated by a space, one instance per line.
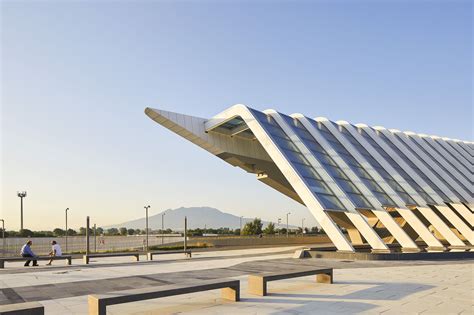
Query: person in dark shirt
x=27 y=252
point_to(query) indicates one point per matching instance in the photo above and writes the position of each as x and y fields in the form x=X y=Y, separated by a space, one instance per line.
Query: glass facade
x=442 y=153
x=337 y=174
x=462 y=152
x=414 y=167
x=309 y=175
x=397 y=167
x=378 y=168
x=457 y=156
x=355 y=166
x=414 y=152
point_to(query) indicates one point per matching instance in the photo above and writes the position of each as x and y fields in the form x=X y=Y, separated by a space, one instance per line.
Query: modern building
x=382 y=186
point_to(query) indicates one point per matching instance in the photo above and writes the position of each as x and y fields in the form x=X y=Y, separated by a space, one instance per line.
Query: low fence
x=227 y=241
x=42 y=245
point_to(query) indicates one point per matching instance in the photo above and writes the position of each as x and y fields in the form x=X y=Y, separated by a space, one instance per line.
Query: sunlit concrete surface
x=360 y=287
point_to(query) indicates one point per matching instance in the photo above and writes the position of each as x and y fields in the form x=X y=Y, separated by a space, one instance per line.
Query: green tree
x=130 y=231
x=71 y=232
x=138 y=232
x=253 y=228
x=99 y=231
x=123 y=231
x=59 y=232
x=26 y=233
x=270 y=229
x=82 y=231
x=112 y=231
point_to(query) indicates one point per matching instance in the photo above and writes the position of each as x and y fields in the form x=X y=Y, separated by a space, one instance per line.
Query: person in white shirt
x=55 y=251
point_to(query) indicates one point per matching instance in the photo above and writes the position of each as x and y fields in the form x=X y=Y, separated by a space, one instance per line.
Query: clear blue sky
x=76 y=77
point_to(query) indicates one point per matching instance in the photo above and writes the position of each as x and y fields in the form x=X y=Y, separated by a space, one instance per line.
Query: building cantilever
x=381 y=186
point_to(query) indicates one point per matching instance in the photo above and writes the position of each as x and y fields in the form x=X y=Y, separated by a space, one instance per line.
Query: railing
x=42 y=245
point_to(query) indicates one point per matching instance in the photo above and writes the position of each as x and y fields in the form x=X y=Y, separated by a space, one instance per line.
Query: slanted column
x=457 y=223
x=439 y=225
x=368 y=233
x=415 y=223
x=464 y=212
x=398 y=233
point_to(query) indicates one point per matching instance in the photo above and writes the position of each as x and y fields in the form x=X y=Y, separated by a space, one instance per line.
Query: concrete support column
x=367 y=232
x=416 y=224
x=457 y=223
x=439 y=225
x=464 y=212
x=405 y=241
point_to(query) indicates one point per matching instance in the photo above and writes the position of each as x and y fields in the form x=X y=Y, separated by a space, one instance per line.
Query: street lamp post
x=87 y=235
x=279 y=221
x=287 y=226
x=67 y=209
x=95 y=238
x=185 y=233
x=4 y=252
x=21 y=194
x=146 y=227
x=241 y=225
x=162 y=226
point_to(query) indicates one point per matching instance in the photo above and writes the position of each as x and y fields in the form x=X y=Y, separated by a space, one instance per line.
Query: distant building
x=383 y=186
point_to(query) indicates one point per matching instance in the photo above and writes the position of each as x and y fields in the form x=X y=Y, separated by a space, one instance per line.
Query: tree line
x=254 y=227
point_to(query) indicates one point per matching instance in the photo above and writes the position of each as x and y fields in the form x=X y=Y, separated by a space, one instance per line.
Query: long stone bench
x=68 y=259
x=150 y=255
x=258 y=283
x=99 y=303
x=27 y=308
x=86 y=258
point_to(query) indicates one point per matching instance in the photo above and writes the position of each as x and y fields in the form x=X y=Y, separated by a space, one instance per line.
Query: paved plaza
x=368 y=287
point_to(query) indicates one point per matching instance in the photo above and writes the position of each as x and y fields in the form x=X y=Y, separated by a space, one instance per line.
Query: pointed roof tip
x=149 y=111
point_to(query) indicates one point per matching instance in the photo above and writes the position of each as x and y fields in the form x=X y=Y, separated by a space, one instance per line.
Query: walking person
x=27 y=252
x=55 y=251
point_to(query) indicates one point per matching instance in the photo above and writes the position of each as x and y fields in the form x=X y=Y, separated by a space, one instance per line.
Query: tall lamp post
x=146 y=228
x=162 y=226
x=3 y=237
x=241 y=224
x=21 y=194
x=67 y=209
x=287 y=226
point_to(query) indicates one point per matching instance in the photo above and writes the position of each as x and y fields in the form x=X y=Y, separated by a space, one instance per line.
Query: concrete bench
x=86 y=258
x=258 y=283
x=99 y=303
x=27 y=308
x=150 y=255
x=68 y=259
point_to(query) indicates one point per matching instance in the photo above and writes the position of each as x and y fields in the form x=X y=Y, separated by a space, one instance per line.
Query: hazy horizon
x=76 y=77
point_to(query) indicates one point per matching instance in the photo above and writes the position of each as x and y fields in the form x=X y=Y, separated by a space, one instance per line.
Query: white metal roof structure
x=382 y=186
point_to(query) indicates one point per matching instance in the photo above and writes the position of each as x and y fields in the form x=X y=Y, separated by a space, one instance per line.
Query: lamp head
x=21 y=194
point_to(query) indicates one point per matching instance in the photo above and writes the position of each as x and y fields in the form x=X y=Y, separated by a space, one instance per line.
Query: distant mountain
x=198 y=217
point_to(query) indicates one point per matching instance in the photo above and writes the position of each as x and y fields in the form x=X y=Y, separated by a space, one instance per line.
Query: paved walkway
x=360 y=287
